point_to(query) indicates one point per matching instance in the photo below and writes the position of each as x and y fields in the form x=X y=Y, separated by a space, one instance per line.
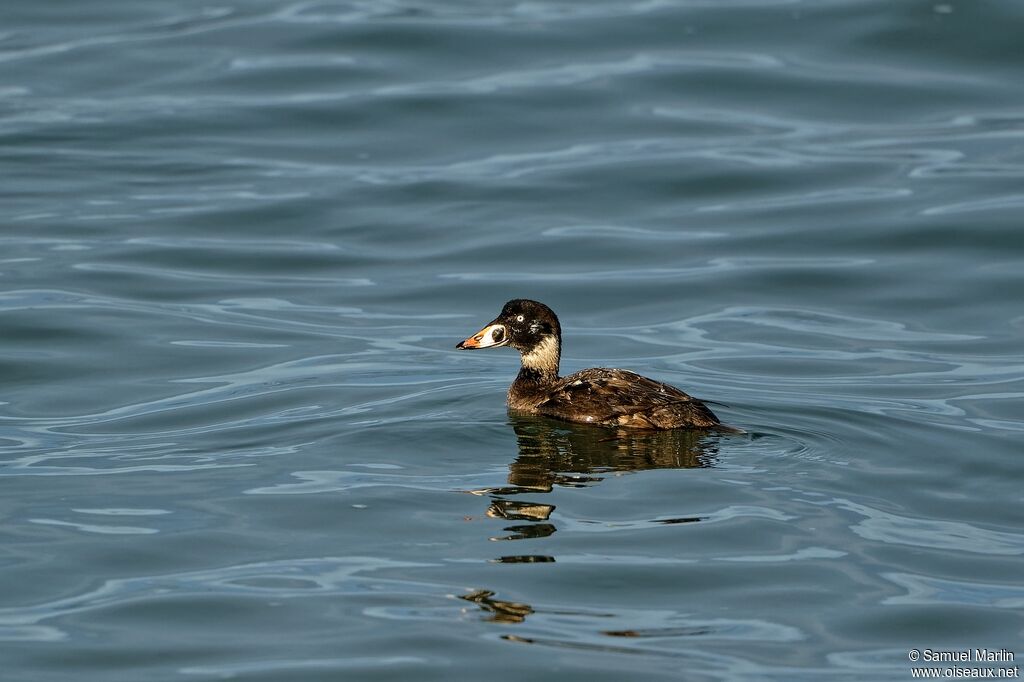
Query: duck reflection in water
x=555 y=453
x=498 y=610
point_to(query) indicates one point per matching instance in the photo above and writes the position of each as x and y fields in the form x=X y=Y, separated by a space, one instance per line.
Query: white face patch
x=490 y=337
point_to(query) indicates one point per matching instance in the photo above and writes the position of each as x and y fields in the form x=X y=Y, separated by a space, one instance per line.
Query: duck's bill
x=491 y=336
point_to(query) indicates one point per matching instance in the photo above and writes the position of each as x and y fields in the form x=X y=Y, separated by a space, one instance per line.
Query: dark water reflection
x=554 y=453
x=558 y=453
x=499 y=610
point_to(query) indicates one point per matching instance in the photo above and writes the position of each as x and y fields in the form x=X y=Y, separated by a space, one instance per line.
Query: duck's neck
x=540 y=364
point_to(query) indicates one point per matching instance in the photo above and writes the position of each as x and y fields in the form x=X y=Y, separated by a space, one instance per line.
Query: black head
x=523 y=324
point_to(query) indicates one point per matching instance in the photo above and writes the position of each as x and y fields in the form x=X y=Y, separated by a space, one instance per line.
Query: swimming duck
x=608 y=397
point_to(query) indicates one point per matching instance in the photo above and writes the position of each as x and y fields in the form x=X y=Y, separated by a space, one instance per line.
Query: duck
x=600 y=395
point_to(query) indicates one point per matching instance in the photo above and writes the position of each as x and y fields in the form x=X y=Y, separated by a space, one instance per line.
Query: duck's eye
x=498 y=334
x=520 y=318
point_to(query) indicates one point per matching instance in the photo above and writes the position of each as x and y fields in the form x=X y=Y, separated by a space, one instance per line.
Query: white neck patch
x=544 y=357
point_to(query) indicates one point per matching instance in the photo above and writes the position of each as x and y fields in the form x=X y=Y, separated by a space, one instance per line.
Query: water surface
x=241 y=240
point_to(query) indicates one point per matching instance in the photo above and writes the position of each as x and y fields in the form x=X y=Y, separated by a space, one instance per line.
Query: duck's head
x=529 y=327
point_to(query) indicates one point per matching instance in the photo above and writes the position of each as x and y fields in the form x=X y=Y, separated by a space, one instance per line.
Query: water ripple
x=726 y=514
x=845 y=194
x=286 y=579
x=929 y=590
x=568 y=75
x=315 y=482
x=208 y=19
x=932 y=533
x=816 y=322
x=94 y=528
x=1009 y=202
x=305 y=665
x=502 y=15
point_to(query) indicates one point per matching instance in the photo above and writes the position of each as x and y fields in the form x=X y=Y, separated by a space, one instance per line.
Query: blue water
x=240 y=241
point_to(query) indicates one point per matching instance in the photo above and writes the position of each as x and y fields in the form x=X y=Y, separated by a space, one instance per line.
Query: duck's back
x=616 y=397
